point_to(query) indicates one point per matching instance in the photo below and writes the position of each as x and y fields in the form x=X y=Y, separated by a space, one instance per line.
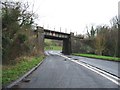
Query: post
x=119 y=29
x=60 y=29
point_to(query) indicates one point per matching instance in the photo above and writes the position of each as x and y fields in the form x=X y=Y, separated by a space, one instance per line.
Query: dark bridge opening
x=64 y=37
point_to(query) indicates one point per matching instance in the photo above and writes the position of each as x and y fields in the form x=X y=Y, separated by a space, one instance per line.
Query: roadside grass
x=13 y=72
x=98 y=56
x=53 y=48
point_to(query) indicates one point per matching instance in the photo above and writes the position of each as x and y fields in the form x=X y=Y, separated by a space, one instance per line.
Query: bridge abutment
x=40 y=36
x=66 y=46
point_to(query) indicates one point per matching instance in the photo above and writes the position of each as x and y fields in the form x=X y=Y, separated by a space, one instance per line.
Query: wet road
x=59 y=72
x=109 y=66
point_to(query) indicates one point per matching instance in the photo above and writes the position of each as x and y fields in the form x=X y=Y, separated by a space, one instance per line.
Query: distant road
x=59 y=72
x=110 y=66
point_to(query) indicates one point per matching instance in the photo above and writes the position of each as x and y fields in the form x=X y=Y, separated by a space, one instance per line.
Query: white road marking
x=98 y=71
x=102 y=71
x=47 y=53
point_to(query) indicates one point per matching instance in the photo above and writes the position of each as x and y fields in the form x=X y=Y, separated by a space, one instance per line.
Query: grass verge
x=98 y=56
x=53 y=48
x=13 y=72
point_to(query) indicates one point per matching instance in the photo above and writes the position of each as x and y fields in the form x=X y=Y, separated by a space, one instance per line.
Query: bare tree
x=99 y=44
x=91 y=33
x=100 y=40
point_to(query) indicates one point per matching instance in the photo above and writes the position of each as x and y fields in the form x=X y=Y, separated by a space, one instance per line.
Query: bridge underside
x=66 y=49
x=52 y=37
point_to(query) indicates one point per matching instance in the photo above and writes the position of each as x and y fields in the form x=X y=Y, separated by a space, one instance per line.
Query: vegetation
x=13 y=71
x=17 y=23
x=53 y=48
x=53 y=44
x=18 y=40
x=98 y=57
x=102 y=39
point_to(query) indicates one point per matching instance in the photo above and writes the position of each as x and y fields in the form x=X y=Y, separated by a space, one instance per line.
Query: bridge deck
x=55 y=35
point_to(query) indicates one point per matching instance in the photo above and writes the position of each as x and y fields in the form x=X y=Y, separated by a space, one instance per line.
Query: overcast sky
x=74 y=15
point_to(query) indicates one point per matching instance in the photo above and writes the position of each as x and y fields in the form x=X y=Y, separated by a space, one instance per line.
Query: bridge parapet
x=55 y=34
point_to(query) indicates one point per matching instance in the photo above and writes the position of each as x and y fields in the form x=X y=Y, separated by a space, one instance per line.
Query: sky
x=73 y=15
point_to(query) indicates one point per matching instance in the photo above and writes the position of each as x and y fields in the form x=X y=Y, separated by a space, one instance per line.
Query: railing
x=56 y=34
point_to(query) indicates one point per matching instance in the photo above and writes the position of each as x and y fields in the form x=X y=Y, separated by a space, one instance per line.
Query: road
x=109 y=66
x=59 y=72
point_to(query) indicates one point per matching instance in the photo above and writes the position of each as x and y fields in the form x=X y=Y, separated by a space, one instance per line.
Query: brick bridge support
x=40 y=37
x=67 y=44
x=71 y=44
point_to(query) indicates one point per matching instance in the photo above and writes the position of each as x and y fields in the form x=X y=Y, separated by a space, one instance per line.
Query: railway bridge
x=69 y=40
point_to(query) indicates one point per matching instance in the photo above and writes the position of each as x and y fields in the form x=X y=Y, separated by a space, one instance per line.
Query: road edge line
x=93 y=70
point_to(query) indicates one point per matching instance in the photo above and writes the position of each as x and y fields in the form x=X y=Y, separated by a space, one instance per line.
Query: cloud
x=74 y=14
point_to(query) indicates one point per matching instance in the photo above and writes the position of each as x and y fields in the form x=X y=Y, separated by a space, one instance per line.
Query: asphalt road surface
x=59 y=72
x=109 y=66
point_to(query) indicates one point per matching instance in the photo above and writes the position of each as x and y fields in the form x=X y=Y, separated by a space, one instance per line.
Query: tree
x=106 y=38
x=100 y=40
x=16 y=19
x=113 y=38
x=92 y=33
x=99 y=44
